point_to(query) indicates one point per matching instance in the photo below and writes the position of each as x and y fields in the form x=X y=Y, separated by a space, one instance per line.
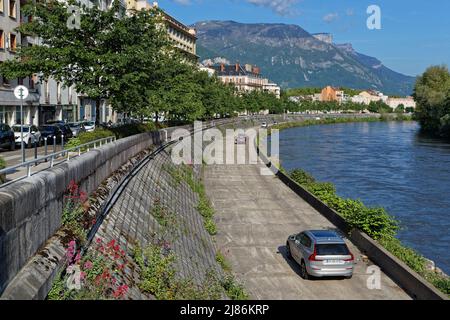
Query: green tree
x=111 y=56
x=432 y=94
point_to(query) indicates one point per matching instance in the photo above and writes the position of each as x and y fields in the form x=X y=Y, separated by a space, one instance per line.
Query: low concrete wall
x=397 y=270
x=30 y=209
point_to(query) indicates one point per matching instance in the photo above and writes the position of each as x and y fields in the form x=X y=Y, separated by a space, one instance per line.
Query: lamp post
x=21 y=92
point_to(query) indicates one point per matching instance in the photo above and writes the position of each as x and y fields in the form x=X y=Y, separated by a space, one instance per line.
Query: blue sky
x=414 y=33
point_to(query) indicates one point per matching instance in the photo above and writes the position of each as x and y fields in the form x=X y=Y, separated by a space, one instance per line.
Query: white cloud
x=330 y=17
x=280 y=7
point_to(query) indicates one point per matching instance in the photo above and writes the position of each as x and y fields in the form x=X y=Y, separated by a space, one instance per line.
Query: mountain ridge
x=292 y=57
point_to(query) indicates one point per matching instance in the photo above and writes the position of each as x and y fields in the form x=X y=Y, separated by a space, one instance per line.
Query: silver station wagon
x=321 y=253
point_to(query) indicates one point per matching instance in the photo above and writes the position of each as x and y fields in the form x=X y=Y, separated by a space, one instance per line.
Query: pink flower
x=88 y=265
x=83 y=275
x=78 y=257
x=98 y=240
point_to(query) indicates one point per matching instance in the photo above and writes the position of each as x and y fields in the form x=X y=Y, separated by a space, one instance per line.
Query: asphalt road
x=255 y=214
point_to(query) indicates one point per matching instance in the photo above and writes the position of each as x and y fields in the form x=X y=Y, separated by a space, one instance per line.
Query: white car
x=31 y=134
x=89 y=126
x=264 y=125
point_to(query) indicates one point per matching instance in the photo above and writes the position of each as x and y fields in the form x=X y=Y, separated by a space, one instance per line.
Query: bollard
x=35 y=149
x=62 y=144
x=54 y=144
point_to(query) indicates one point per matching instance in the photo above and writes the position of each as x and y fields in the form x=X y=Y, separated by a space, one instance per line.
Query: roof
x=325 y=236
x=230 y=70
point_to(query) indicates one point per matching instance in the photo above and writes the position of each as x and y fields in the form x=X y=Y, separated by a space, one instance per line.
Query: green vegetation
x=204 y=207
x=86 y=137
x=223 y=262
x=2 y=166
x=375 y=222
x=432 y=94
x=158 y=277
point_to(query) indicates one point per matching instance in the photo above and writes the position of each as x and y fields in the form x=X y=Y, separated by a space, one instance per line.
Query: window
x=12 y=8
x=12 y=42
x=2 y=40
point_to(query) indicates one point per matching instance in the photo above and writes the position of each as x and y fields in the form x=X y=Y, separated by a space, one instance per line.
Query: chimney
x=222 y=67
x=237 y=67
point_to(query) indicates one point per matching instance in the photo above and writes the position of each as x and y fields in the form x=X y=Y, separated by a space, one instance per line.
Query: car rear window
x=334 y=249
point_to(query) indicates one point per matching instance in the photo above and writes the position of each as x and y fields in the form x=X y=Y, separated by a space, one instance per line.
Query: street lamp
x=21 y=92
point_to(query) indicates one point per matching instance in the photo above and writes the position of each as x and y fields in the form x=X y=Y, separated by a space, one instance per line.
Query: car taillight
x=313 y=256
x=352 y=257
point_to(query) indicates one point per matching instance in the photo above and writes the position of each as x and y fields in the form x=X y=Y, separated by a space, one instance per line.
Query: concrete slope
x=255 y=214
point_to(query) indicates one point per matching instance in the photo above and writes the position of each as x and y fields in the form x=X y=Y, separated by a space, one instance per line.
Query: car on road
x=77 y=128
x=264 y=125
x=7 y=139
x=31 y=134
x=89 y=125
x=240 y=139
x=320 y=253
x=51 y=130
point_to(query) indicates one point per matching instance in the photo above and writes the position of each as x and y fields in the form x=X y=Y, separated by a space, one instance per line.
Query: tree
x=111 y=56
x=400 y=108
x=432 y=95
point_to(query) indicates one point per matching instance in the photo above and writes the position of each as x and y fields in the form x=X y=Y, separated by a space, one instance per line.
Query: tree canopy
x=432 y=94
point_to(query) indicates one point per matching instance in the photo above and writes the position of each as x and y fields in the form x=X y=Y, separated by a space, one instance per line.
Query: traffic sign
x=21 y=92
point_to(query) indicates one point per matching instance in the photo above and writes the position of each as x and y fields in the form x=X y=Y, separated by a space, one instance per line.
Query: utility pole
x=21 y=92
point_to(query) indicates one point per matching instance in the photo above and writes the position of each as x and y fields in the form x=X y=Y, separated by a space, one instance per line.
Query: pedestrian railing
x=52 y=159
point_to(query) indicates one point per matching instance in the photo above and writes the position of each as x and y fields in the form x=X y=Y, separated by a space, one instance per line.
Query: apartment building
x=183 y=37
x=407 y=102
x=245 y=78
x=366 y=97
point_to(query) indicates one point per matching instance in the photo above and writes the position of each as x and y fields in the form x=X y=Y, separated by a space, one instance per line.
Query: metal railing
x=54 y=158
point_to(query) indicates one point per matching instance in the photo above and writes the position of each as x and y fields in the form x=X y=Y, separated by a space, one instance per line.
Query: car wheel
x=349 y=277
x=304 y=271
x=288 y=251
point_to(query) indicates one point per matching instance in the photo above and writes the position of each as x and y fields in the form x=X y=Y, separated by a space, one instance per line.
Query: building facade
x=183 y=37
x=245 y=78
x=366 y=97
x=407 y=102
x=332 y=94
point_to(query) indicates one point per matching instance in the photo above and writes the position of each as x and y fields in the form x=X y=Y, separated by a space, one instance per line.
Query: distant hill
x=292 y=57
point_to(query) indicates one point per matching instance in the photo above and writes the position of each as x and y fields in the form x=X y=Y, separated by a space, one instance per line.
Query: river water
x=386 y=164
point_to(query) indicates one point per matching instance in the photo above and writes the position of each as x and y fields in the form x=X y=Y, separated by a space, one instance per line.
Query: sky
x=414 y=34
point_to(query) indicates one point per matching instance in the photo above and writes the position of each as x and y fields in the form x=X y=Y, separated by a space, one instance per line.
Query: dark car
x=7 y=139
x=49 y=131
x=67 y=132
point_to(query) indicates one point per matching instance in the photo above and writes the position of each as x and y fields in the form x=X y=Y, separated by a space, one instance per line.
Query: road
x=255 y=214
x=15 y=157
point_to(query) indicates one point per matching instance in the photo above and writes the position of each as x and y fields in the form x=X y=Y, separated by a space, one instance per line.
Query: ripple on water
x=385 y=164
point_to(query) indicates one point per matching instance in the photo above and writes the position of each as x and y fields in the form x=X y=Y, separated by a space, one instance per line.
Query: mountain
x=292 y=57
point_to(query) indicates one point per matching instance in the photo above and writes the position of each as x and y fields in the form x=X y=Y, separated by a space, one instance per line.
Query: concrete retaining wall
x=30 y=210
x=397 y=270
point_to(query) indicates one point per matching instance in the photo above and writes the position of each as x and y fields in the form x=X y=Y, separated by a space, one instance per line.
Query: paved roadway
x=255 y=214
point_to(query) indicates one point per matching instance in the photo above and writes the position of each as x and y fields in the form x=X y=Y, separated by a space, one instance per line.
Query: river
x=386 y=164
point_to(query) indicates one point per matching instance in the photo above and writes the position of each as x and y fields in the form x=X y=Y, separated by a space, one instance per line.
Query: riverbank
x=374 y=221
x=309 y=122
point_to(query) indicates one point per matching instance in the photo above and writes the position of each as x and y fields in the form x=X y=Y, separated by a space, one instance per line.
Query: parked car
x=67 y=132
x=7 y=139
x=321 y=253
x=58 y=122
x=89 y=125
x=264 y=125
x=49 y=131
x=77 y=128
x=31 y=134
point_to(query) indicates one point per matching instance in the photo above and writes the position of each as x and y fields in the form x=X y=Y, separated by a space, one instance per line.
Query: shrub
x=234 y=290
x=2 y=166
x=86 y=137
x=132 y=129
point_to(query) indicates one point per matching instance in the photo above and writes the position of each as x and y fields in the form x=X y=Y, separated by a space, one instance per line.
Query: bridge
x=130 y=178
